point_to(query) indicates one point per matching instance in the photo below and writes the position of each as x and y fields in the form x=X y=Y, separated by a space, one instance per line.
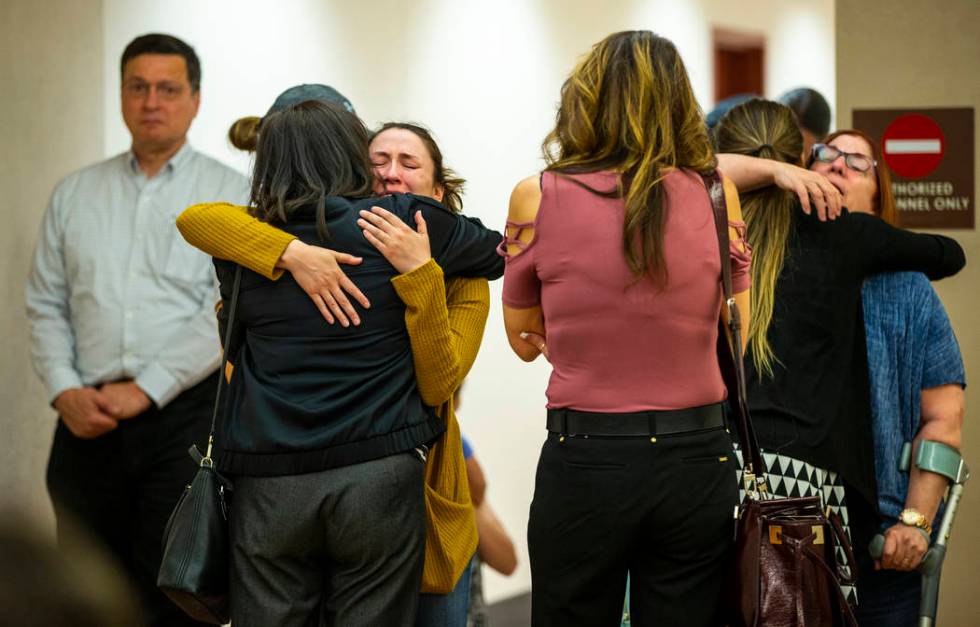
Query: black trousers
x=122 y=486
x=663 y=511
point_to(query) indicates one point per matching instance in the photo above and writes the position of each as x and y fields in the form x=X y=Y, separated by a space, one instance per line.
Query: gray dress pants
x=339 y=547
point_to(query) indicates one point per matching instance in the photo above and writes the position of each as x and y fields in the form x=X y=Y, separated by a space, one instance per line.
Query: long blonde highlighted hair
x=768 y=130
x=628 y=107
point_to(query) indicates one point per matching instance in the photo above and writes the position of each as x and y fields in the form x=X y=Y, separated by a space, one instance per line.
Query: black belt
x=644 y=423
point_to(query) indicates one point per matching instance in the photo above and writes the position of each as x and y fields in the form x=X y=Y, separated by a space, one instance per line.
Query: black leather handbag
x=784 y=566
x=195 y=565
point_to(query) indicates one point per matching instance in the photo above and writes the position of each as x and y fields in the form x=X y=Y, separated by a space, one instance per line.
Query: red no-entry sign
x=913 y=145
x=930 y=155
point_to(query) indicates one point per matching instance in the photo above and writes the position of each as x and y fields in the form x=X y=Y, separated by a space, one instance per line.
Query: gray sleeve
x=189 y=356
x=52 y=336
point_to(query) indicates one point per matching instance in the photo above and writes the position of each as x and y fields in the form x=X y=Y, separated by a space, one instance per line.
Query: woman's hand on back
x=809 y=185
x=317 y=271
x=405 y=248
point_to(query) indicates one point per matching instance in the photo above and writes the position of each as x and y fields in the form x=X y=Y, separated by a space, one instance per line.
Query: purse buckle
x=776 y=534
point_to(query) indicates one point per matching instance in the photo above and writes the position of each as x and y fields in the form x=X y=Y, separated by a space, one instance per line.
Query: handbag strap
x=232 y=310
x=730 y=361
x=845 y=608
x=844 y=543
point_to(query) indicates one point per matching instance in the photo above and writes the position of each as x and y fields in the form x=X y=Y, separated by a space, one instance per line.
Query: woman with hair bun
x=445 y=318
x=326 y=429
x=244 y=133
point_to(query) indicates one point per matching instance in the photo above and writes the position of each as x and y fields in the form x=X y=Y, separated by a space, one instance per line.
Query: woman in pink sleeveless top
x=613 y=269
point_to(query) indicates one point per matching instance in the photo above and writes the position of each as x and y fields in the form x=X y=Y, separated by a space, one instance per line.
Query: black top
x=817 y=406
x=307 y=395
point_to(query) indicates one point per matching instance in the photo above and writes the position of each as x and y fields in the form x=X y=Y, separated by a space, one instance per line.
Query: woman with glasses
x=917 y=379
x=846 y=159
x=806 y=365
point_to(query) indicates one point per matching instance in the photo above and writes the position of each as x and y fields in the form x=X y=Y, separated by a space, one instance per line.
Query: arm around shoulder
x=891 y=249
x=228 y=232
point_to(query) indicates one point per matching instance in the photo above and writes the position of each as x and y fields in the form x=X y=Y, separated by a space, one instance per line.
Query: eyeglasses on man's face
x=166 y=90
x=826 y=153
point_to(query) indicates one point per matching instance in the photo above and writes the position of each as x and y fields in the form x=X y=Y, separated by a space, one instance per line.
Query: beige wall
x=909 y=53
x=52 y=111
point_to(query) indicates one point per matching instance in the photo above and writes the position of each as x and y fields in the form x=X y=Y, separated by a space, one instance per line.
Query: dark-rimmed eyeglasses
x=825 y=153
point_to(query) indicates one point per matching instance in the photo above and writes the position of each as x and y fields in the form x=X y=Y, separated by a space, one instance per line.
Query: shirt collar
x=176 y=162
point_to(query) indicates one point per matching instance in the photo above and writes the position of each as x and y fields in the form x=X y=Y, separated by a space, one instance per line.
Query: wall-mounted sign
x=930 y=155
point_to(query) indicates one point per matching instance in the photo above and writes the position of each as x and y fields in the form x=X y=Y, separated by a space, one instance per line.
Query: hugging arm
x=445 y=320
x=445 y=323
x=228 y=232
x=749 y=173
x=890 y=249
x=461 y=245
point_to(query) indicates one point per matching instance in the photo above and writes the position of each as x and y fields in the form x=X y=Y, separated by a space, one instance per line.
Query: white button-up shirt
x=114 y=291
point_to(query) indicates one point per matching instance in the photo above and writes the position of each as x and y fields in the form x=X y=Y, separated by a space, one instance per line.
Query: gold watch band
x=914 y=518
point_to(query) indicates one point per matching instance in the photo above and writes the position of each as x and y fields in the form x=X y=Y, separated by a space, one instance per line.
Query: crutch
x=946 y=461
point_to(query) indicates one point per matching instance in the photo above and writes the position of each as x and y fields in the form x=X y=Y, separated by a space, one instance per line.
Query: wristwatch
x=915 y=518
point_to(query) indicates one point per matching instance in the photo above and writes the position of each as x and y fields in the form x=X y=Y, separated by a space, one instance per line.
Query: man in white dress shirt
x=122 y=319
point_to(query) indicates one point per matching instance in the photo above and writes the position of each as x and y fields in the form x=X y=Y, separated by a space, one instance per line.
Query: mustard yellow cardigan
x=445 y=322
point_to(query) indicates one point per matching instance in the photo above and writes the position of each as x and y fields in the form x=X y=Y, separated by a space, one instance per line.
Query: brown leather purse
x=784 y=564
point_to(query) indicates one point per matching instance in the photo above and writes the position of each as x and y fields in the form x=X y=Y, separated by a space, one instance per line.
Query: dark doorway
x=739 y=63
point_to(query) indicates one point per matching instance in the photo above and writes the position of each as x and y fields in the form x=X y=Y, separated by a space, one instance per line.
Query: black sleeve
x=462 y=246
x=890 y=249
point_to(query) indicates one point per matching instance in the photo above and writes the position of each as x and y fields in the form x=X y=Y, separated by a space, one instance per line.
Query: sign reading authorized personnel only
x=930 y=155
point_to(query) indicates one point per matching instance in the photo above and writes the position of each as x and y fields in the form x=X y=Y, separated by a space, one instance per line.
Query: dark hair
x=158 y=43
x=628 y=107
x=811 y=109
x=444 y=177
x=307 y=153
